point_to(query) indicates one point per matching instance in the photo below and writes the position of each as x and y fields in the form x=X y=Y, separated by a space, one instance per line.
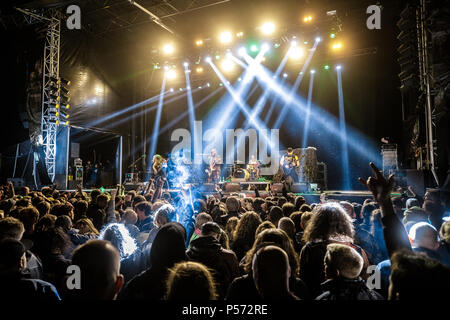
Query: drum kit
x=246 y=173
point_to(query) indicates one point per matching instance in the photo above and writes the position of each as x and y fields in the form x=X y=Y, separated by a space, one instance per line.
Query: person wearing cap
x=206 y=249
x=14 y=284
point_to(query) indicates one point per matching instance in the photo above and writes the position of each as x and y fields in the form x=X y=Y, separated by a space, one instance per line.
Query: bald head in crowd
x=424 y=235
x=99 y=263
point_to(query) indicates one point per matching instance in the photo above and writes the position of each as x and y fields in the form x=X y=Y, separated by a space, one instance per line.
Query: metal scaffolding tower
x=50 y=75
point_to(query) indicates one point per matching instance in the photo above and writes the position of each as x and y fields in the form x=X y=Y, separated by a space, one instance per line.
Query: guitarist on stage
x=289 y=162
x=213 y=170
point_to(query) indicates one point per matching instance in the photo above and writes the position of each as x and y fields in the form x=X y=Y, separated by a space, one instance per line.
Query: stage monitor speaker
x=232 y=187
x=277 y=187
x=300 y=187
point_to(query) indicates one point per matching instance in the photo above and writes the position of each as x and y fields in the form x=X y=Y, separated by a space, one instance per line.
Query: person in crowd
x=329 y=224
x=288 y=208
x=271 y=274
x=163 y=216
x=12 y=228
x=85 y=226
x=190 y=281
x=435 y=212
x=200 y=220
x=425 y=239
x=207 y=250
x=232 y=208
x=343 y=265
x=275 y=214
x=287 y=225
x=15 y=285
x=230 y=227
x=244 y=235
x=144 y=213
x=97 y=211
x=80 y=209
x=414 y=215
x=243 y=288
x=167 y=249
x=99 y=263
x=129 y=219
x=132 y=260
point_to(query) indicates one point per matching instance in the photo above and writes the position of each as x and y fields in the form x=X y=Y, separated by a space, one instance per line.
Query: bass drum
x=241 y=174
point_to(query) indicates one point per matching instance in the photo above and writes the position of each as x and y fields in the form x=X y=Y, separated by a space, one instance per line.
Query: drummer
x=253 y=167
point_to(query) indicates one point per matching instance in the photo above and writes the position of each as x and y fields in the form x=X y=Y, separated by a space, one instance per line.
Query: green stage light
x=332 y=35
x=326 y=67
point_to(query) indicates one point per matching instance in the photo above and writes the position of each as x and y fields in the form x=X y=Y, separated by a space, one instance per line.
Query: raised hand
x=380 y=187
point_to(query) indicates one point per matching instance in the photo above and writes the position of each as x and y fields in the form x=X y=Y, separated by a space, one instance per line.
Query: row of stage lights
x=228 y=65
x=296 y=51
x=59 y=100
x=226 y=37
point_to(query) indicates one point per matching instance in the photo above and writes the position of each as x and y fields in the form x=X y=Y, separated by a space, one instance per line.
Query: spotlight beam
x=343 y=136
x=127 y=109
x=322 y=118
x=308 y=112
x=190 y=103
x=154 y=136
x=260 y=127
x=296 y=85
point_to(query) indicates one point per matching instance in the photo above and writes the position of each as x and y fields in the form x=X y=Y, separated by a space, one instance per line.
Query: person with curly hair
x=244 y=234
x=329 y=224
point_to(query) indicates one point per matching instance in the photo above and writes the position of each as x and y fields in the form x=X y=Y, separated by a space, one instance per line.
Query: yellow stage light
x=168 y=48
x=296 y=53
x=240 y=34
x=268 y=28
x=199 y=42
x=199 y=69
x=336 y=46
x=227 y=65
x=226 y=37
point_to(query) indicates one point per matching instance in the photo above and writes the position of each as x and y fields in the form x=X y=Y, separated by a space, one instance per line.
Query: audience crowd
x=149 y=244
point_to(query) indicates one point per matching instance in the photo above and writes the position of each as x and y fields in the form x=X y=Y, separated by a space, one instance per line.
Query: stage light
x=285 y=75
x=217 y=56
x=180 y=89
x=208 y=85
x=305 y=42
x=268 y=28
x=168 y=48
x=221 y=84
x=318 y=39
x=64 y=114
x=185 y=64
x=171 y=89
x=296 y=53
x=199 y=87
x=171 y=74
x=64 y=82
x=239 y=79
x=226 y=37
x=313 y=71
x=337 y=46
x=332 y=35
x=228 y=54
x=199 y=43
x=338 y=67
x=293 y=43
x=240 y=34
x=276 y=45
x=254 y=48
x=265 y=46
x=166 y=68
x=307 y=19
x=227 y=65
x=326 y=67
x=242 y=51
x=199 y=69
x=208 y=59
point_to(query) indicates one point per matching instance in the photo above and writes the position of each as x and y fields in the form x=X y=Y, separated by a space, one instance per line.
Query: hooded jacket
x=167 y=250
x=223 y=262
